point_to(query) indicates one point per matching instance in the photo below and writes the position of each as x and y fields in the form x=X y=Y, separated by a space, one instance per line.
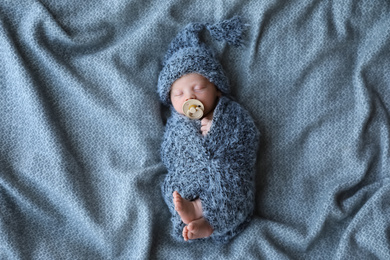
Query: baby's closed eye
x=177 y=93
x=199 y=88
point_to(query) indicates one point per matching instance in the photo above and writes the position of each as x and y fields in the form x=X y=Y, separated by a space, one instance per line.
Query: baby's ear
x=219 y=93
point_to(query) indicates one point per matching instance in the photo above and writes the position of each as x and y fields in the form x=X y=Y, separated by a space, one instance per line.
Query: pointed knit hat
x=188 y=54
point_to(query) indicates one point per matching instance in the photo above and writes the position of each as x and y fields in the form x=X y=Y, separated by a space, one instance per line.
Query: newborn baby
x=210 y=142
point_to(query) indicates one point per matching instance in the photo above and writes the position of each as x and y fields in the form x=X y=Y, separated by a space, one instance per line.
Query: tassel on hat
x=188 y=54
x=231 y=31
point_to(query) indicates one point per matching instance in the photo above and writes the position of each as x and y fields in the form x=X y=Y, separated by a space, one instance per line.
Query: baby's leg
x=199 y=228
x=187 y=210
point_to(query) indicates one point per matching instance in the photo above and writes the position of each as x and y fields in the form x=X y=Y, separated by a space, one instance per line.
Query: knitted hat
x=188 y=54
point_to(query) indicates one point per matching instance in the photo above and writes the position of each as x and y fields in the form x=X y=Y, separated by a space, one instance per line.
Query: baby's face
x=194 y=86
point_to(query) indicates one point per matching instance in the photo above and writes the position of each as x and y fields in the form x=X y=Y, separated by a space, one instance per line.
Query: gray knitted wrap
x=188 y=54
x=218 y=168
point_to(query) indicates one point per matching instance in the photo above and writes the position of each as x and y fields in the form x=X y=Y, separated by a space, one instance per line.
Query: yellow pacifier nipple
x=193 y=109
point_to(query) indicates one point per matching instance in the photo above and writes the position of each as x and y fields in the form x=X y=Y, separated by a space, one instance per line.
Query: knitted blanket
x=218 y=168
x=81 y=127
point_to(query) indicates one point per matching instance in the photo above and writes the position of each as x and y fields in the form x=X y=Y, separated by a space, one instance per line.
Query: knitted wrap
x=218 y=168
x=188 y=54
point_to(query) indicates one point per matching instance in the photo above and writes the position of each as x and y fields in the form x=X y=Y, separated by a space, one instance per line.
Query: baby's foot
x=199 y=228
x=187 y=210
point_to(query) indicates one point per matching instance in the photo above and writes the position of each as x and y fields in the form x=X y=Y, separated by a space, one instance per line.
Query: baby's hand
x=206 y=124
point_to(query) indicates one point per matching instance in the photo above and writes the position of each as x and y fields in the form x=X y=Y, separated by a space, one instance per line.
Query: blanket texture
x=218 y=168
x=81 y=127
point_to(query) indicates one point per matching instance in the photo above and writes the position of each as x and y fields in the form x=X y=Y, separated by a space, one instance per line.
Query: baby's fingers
x=204 y=131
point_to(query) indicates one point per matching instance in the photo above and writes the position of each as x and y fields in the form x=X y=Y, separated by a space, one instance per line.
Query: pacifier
x=193 y=109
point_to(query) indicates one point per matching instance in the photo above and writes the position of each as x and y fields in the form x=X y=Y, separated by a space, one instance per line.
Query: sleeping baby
x=210 y=142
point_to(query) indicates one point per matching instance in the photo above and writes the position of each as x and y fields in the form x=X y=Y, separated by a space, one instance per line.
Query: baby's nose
x=192 y=96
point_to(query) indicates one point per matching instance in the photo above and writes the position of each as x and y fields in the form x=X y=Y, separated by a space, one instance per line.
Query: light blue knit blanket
x=81 y=127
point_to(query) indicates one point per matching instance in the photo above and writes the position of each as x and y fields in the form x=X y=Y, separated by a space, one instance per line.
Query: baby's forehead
x=189 y=79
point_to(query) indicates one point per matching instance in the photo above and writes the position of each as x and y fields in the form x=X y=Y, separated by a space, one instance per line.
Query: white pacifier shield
x=193 y=109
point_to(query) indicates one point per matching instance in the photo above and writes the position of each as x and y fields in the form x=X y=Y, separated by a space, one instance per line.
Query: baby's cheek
x=178 y=106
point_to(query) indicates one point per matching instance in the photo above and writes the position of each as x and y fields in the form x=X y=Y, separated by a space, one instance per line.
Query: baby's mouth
x=193 y=109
